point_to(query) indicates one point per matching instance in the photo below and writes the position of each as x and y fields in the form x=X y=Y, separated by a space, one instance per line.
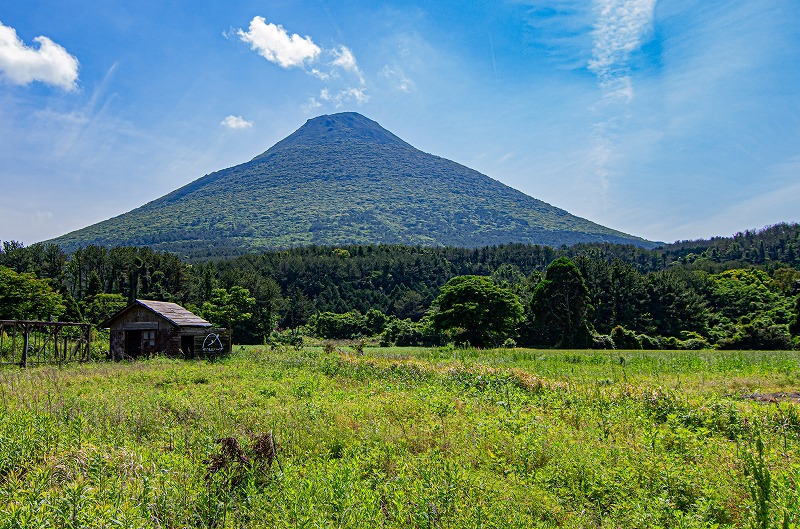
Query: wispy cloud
x=340 y=97
x=346 y=61
x=50 y=63
x=398 y=77
x=275 y=44
x=236 y=122
x=619 y=30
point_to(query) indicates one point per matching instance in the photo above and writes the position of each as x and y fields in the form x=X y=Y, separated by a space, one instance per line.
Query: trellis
x=28 y=342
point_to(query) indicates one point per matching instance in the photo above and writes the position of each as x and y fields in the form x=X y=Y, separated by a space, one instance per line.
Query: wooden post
x=88 y=343
x=26 y=341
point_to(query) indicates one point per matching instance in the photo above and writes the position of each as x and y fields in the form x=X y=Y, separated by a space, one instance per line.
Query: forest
x=740 y=292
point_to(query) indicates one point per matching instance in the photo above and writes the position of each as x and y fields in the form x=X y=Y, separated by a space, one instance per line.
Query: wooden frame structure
x=26 y=342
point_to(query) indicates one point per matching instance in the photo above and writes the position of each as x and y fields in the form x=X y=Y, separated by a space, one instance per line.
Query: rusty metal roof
x=174 y=313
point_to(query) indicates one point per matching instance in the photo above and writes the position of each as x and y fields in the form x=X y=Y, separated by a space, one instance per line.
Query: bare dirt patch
x=774 y=398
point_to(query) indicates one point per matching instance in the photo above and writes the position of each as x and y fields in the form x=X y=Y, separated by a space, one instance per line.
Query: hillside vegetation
x=341 y=179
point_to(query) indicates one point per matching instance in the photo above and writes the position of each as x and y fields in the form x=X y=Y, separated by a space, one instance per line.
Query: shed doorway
x=133 y=343
x=187 y=346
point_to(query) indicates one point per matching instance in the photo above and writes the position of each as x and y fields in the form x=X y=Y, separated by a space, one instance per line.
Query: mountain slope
x=341 y=179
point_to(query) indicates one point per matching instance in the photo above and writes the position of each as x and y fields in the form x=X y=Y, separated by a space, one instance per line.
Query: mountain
x=342 y=179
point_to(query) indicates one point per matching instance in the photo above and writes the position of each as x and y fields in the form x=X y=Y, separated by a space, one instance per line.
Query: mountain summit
x=342 y=179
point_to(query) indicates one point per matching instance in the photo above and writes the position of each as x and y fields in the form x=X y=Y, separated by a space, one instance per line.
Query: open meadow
x=405 y=437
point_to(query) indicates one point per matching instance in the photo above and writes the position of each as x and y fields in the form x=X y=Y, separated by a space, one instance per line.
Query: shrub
x=405 y=333
x=288 y=337
x=759 y=335
x=602 y=341
x=624 y=339
x=649 y=342
x=335 y=326
x=375 y=321
x=694 y=343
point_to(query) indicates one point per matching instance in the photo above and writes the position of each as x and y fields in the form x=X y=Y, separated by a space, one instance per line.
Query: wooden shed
x=146 y=327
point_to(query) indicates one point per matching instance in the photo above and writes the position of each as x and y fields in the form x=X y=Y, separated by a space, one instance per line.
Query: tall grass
x=404 y=438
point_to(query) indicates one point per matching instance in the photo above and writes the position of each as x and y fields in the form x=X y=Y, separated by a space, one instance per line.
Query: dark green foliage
x=101 y=307
x=602 y=341
x=410 y=305
x=649 y=343
x=95 y=286
x=266 y=310
x=297 y=308
x=24 y=297
x=72 y=312
x=404 y=333
x=559 y=307
x=477 y=311
x=624 y=338
x=761 y=334
x=693 y=305
x=228 y=307
x=375 y=321
x=368 y=187
x=618 y=293
x=794 y=327
x=332 y=325
x=674 y=302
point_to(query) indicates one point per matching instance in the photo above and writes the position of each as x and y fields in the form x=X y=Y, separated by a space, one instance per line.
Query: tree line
x=733 y=292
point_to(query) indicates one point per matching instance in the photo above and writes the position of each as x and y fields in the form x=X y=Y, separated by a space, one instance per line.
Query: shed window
x=148 y=339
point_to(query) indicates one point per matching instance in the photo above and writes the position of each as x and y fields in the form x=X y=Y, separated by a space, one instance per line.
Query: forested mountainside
x=341 y=179
x=704 y=290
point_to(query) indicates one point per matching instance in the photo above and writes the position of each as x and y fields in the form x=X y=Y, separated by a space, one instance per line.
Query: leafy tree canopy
x=480 y=312
x=560 y=306
x=100 y=307
x=228 y=307
x=23 y=297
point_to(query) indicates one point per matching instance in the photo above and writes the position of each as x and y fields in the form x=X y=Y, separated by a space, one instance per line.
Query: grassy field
x=434 y=438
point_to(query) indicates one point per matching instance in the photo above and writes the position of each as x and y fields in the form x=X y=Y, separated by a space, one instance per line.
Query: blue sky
x=665 y=119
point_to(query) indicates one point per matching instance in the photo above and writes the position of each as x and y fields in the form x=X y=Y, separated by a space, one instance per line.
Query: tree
x=480 y=312
x=229 y=307
x=794 y=326
x=95 y=285
x=334 y=325
x=23 y=297
x=100 y=307
x=675 y=304
x=266 y=309
x=73 y=310
x=410 y=305
x=559 y=307
x=297 y=309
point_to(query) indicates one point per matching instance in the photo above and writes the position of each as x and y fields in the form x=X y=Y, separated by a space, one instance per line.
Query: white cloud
x=346 y=61
x=338 y=99
x=50 y=63
x=312 y=105
x=336 y=67
x=324 y=76
x=398 y=77
x=236 y=122
x=274 y=44
x=619 y=30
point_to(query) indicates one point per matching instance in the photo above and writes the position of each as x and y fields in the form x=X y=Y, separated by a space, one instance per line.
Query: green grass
x=404 y=437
